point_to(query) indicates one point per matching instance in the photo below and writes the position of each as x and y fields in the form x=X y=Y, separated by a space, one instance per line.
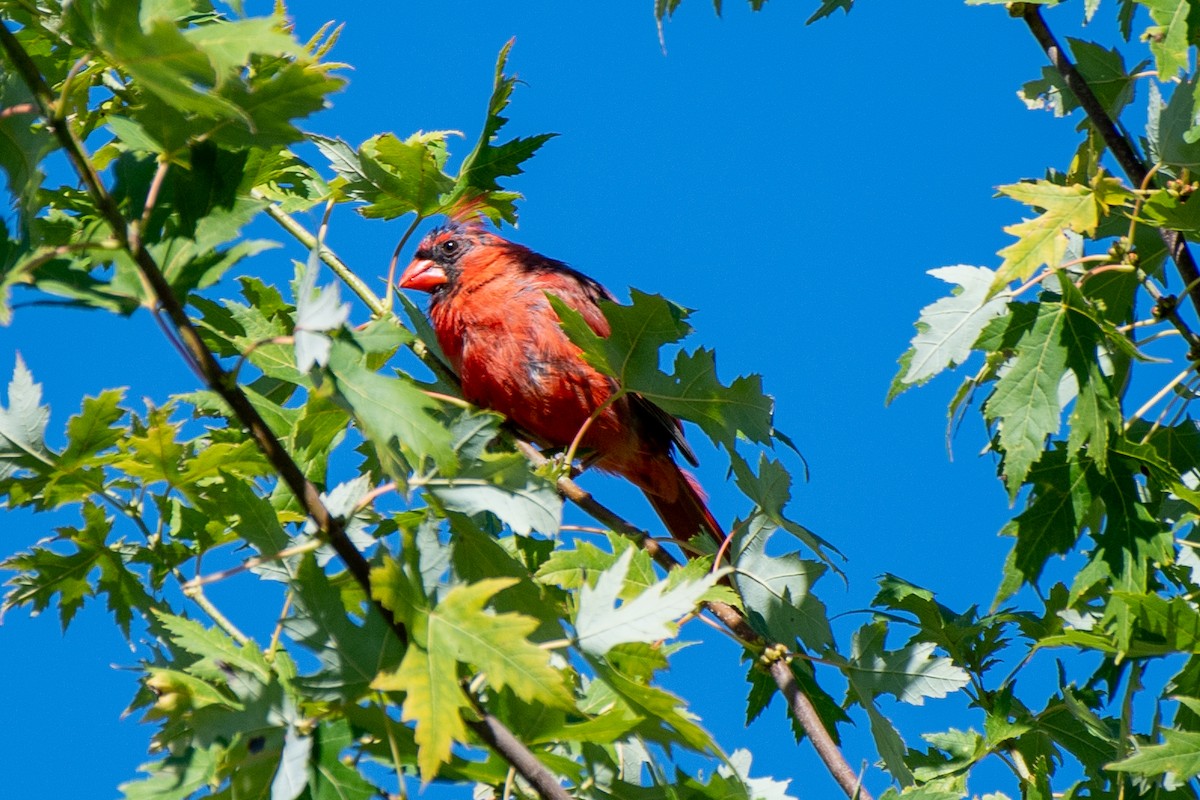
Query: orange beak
x=423 y=274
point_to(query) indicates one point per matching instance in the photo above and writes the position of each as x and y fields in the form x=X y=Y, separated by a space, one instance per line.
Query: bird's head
x=441 y=254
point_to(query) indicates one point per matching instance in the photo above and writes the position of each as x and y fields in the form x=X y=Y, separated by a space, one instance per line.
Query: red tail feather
x=687 y=514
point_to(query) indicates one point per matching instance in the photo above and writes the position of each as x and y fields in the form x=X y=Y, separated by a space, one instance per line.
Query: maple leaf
x=1042 y=240
x=600 y=624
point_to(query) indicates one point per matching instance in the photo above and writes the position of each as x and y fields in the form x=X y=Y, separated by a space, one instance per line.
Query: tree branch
x=1119 y=145
x=302 y=235
x=804 y=712
x=798 y=702
x=490 y=729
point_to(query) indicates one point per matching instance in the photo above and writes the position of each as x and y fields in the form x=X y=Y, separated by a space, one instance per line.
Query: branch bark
x=781 y=672
x=798 y=703
x=488 y=728
x=1118 y=143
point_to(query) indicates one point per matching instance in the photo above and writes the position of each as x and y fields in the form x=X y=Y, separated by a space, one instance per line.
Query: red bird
x=493 y=321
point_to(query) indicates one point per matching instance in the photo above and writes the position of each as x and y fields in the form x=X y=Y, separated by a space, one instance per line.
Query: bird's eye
x=450 y=247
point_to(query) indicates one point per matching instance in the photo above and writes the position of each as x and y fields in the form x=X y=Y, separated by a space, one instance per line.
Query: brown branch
x=1119 y=145
x=804 y=712
x=798 y=702
x=490 y=729
x=502 y=740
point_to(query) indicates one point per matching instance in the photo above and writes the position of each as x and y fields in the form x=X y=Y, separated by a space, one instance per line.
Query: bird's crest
x=468 y=211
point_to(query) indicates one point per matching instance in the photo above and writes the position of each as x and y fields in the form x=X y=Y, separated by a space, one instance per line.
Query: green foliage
x=692 y=390
x=1092 y=439
x=425 y=580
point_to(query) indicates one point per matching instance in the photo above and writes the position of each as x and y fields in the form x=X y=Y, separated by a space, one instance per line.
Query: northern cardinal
x=502 y=336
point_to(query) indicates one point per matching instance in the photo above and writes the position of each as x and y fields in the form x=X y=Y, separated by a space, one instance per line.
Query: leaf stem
x=569 y=457
x=401 y=792
x=487 y=727
x=1118 y=144
x=343 y=271
x=798 y=703
x=391 y=276
x=196 y=594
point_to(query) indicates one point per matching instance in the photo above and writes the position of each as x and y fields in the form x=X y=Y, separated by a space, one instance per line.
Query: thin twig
x=251 y=563
x=197 y=596
x=1159 y=395
x=160 y=175
x=19 y=108
x=343 y=271
x=488 y=728
x=1118 y=144
x=275 y=634
x=799 y=703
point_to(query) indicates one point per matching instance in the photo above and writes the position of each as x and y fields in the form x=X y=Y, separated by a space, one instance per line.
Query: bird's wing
x=583 y=295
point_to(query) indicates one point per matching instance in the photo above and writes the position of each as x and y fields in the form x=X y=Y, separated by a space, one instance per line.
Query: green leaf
x=771 y=489
x=318 y=311
x=476 y=181
x=1042 y=241
x=281 y=177
x=23 y=423
x=664 y=718
x=568 y=569
x=777 y=589
x=42 y=572
x=291 y=776
x=1169 y=40
x=1097 y=412
x=503 y=484
x=160 y=59
x=331 y=778
x=496 y=644
x=434 y=701
x=828 y=7
x=351 y=655
x=600 y=624
x=476 y=554
x=391 y=409
x=738 y=765
x=1025 y=402
x=911 y=673
x=175 y=777
x=1177 y=758
x=23 y=142
x=92 y=430
x=692 y=391
x=1104 y=70
x=948 y=328
x=229 y=44
x=1052 y=520
x=1171 y=130
x=401 y=177
x=1165 y=625
x=215 y=648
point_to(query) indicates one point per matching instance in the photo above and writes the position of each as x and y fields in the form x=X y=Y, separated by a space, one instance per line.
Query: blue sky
x=792 y=184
